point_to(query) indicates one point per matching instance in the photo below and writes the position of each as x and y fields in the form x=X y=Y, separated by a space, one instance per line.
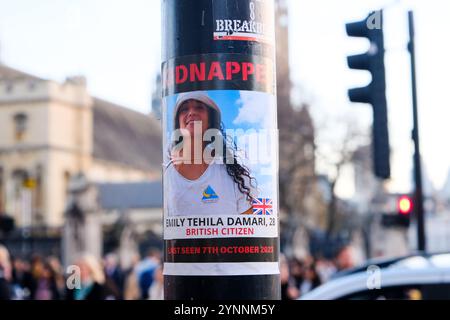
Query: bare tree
x=337 y=146
x=298 y=194
x=296 y=158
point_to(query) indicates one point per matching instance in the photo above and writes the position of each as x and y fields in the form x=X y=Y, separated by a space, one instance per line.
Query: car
x=414 y=277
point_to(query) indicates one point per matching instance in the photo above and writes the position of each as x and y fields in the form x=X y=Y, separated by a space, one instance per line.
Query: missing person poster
x=220 y=173
x=221 y=156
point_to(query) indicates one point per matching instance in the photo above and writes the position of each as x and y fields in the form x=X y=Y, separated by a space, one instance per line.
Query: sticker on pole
x=244 y=21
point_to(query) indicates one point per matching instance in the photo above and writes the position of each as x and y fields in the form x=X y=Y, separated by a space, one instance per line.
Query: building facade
x=302 y=208
x=51 y=131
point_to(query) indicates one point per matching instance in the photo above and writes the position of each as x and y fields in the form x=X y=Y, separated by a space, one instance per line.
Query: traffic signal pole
x=219 y=243
x=421 y=240
x=374 y=93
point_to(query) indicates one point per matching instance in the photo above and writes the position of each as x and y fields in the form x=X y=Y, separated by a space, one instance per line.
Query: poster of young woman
x=220 y=143
x=220 y=170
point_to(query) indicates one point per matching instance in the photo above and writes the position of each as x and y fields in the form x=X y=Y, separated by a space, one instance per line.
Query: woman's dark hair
x=238 y=172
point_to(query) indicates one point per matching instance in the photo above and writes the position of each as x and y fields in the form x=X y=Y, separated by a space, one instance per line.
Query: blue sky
x=116 y=45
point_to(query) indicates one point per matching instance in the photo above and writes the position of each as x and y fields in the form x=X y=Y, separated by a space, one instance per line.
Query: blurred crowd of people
x=299 y=276
x=42 y=278
x=89 y=278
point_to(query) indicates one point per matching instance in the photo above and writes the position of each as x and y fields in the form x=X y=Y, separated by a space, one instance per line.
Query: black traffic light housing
x=402 y=216
x=375 y=92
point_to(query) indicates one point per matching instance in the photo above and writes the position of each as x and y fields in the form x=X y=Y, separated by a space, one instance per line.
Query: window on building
x=32 y=84
x=19 y=177
x=38 y=196
x=16 y=200
x=20 y=125
x=9 y=87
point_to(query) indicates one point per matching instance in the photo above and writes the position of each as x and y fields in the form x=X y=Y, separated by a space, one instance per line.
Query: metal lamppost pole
x=212 y=51
x=418 y=199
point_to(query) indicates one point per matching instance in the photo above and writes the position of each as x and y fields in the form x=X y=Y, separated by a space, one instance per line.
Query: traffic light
x=404 y=206
x=404 y=211
x=402 y=216
x=374 y=93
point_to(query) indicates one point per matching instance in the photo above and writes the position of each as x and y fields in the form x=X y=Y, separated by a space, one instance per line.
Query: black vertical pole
x=418 y=203
x=220 y=46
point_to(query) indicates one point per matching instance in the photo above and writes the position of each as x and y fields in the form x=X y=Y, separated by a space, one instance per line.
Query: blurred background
x=81 y=154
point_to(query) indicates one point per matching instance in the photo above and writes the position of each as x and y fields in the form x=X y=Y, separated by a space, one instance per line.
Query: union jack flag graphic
x=262 y=206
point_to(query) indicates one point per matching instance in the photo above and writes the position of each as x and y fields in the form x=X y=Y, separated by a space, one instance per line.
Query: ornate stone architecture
x=50 y=132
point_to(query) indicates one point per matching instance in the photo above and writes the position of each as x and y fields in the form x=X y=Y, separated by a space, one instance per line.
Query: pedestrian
x=145 y=270
x=58 y=272
x=288 y=288
x=325 y=268
x=92 y=281
x=131 y=286
x=22 y=279
x=46 y=286
x=114 y=275
x=5 y=274
x=311 y=279
x=156 y=290
x=345 y=258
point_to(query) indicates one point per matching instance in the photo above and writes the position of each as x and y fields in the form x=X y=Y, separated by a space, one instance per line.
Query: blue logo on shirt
x=209 y=195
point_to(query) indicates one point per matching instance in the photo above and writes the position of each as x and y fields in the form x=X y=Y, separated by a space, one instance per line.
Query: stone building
x=50 y=132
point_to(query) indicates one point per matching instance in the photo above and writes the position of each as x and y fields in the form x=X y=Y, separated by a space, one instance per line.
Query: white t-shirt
x=214 y=193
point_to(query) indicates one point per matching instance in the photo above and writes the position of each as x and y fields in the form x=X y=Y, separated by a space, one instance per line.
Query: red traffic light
x=405 y=205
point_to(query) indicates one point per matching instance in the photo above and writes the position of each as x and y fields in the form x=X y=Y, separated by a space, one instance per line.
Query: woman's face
x=193 y=111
